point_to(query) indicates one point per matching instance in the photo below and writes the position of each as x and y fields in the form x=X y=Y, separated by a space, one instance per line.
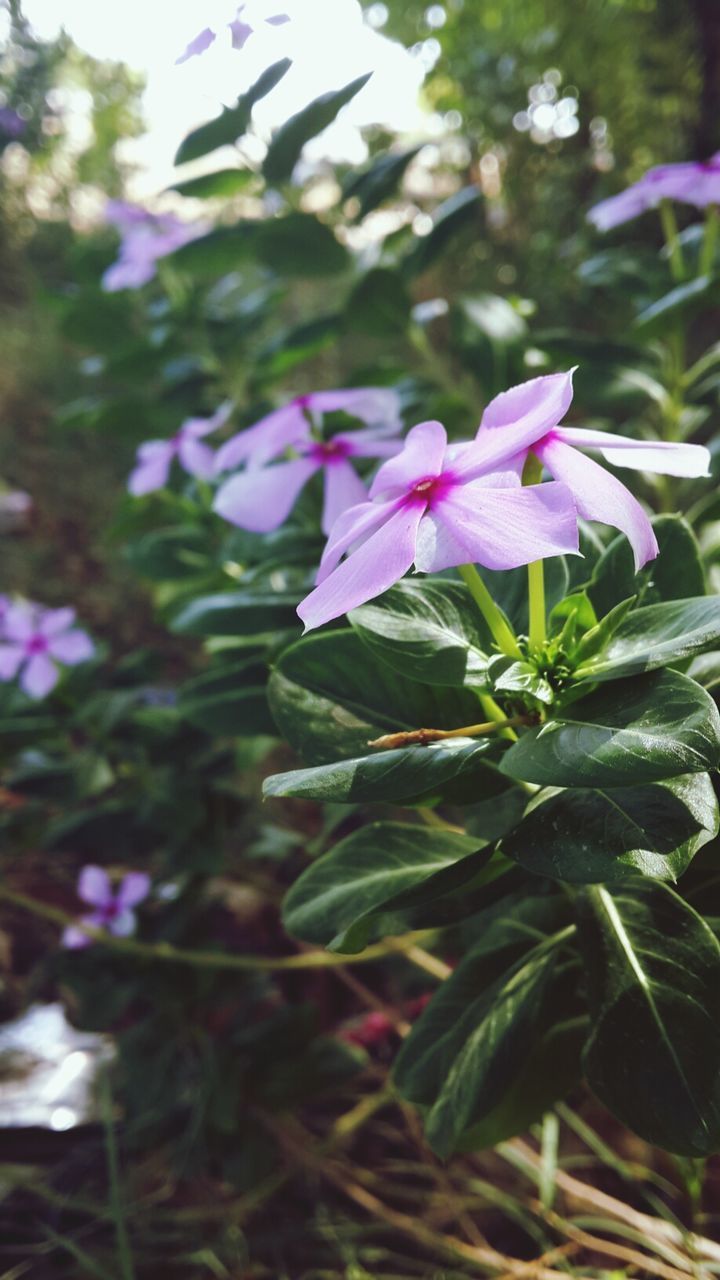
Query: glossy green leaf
x=510 y=675
x=229 y=700
x=429 y=629
x=458 y=213
x=167 y=555
x=657 y=636
x=653 y=979
x=298 y=244
x=374 y=184
x=589 y=836
x=232 y=121
x=378 y=881
x=287 y=143
x=676 y=572
x=211 y=186
x=474 y=1036
x=237 y=613
x=221 y=250
x=654 y=727
x=460 y=771
x=331 y=696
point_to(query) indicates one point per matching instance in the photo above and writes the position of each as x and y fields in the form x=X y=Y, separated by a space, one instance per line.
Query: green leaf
x=232 y=122
x=378 y=304
x=298 y=244
x=452 y=217
x=657 y=636
x=357 y=891
x=209 y=186
x=287 y=143
x=590 y=836
x=236 y=613
x=506 y=675
x=656 y=318
x=653 y=977
x=217 y=252
x=331 y=696
x=228 y=700
x=655 y=727
x=373 y=185
x=460 y=771
x=473 y=1038
x=167 y=555
x=430 y=630
x=675 y=573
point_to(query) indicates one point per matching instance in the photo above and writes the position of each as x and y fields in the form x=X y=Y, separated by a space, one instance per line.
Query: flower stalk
x=502 y=633
x=532 y=474
x=672 y=240
x=707 y=250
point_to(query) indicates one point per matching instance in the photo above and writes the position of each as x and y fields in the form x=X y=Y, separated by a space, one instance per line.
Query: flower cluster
x=438 y=506
x=112 y=909
x=240 y=31
x=692 y=182
x=145 y=237
x=155 y=457
x=36 y=642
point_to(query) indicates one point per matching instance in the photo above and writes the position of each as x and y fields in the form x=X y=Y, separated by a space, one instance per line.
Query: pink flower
x=155 y=457
x=145 y=237
x=34 y=641
x=262 y=497
x=240 y=31
x=438 y=507
x=526 y=419
x=693 y=182
x=112 y=909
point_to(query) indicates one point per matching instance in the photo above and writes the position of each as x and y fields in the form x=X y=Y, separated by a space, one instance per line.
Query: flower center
x=431 y=489
x=326 y=452
x=37 y=644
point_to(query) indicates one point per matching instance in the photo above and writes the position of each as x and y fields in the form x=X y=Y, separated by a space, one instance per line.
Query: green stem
x=672 y=240
x=165 y=951
x=532 y=474
x=495 y=618
x=707 y=252
x=125 y=1259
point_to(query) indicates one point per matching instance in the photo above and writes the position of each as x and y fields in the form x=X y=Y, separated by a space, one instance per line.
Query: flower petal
x=623 y=207
x=266 y=439
x=343 y=489
x=197 y=45
x=21 y=621
x=354 y=525
x=241 y=32
x=376 y=406
x=600 y=496
x=514 y=420
x=370 y=442
x=133 y=889
x=380 y=562
x=421 y=457
x=123 y=924
x=196 y=428
x=94 y=886
x=664 y=457
x=261 y=499
x=498 y=528
x=39 y=676
x=151 y=474
x=197 y=458
x=71 y=648
x=11 y=655
x=74 y=938
x=53 y=621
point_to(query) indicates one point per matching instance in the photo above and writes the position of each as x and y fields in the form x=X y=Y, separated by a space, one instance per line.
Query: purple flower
x=693 y=182
x=155 y=457
x=35 y=640
x=525 y=419
x=11 y=123
x=240 y=31
x=263 y=496
x=438 y=507
x=145 y=237
x=112 y=909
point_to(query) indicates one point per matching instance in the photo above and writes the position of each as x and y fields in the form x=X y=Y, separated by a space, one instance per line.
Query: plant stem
x=672 y=241
x=408 y=737
x=495 y=618
x=707 y=252
x=125 y=1260
x=532 y=474
x=216 y=959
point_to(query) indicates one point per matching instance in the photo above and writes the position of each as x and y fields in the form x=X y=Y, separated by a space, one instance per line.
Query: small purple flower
x=112 y=909
x=240 y=32
x=692 y=182
x=11 y=123
x=35 y=642
x=155 y=457
x=262 y=497
x=526 y=419
x=437 y=507
x=145 y=237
